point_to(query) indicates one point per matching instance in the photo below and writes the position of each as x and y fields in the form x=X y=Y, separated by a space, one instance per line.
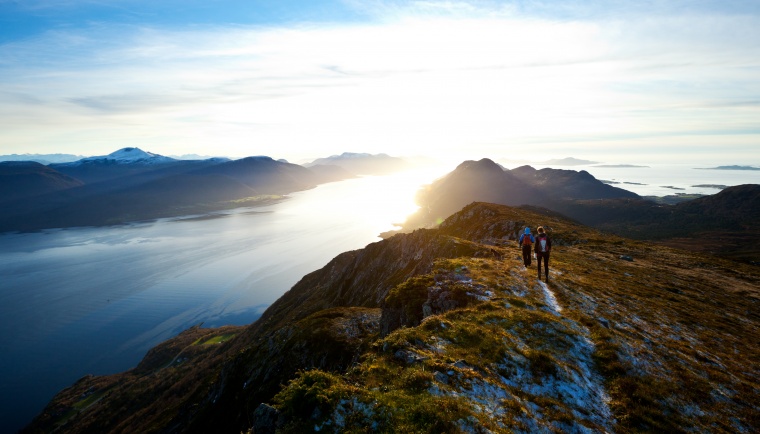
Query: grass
x=658 y=336
x=667 y=342
x=215 y=339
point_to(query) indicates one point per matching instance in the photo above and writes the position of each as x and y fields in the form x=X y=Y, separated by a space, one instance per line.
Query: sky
x=612 y=81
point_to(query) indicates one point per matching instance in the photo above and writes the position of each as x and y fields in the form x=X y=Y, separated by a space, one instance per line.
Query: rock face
x=445 y=331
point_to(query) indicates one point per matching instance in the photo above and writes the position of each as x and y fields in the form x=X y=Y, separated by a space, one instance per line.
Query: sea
x=94 y=300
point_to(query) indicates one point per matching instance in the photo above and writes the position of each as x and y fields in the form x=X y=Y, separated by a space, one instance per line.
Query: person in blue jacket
x=525 y=242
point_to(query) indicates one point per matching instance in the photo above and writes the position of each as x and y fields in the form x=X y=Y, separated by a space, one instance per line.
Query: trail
x=551 y=300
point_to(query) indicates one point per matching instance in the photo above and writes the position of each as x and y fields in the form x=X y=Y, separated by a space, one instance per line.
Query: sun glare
x=384 y=201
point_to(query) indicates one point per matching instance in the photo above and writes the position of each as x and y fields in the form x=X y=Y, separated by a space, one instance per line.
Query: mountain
x=123 y=163
x=132 y=185
x=443 y=330
x=487 y=181
x=42 y=158
x=724 y=223
x=363 y=164
x=126 y=156
x=25 y=179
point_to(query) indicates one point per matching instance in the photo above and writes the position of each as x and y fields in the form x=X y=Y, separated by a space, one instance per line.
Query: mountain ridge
x=443 y=330
x=132 y=185
x=723 y=223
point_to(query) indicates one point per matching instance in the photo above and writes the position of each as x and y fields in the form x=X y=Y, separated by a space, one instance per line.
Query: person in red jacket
x=543 y=248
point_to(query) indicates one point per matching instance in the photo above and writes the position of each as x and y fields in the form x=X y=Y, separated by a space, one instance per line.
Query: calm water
x=669 y=179
x=94 y=300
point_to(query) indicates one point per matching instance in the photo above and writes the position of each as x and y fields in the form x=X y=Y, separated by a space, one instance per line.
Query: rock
x=626 y=258
x=265 y=419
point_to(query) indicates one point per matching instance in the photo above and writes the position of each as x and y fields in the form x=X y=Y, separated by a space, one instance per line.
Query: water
x=94 y=300
x=668 y=179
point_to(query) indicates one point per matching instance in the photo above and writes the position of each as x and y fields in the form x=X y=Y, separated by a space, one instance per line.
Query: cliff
x=443 y=330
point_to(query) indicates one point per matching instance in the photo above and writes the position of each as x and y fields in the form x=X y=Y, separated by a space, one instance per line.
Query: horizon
x=521 y=81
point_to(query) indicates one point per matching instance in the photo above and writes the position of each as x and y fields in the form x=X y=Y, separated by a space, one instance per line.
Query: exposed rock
x=265 y=420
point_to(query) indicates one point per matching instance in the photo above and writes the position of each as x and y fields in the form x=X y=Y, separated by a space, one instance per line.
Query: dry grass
x=666 y=342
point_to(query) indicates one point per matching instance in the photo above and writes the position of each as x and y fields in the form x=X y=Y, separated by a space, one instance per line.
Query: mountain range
x=444 y=330
x=363 y=163
x=724 y=223
x=131 y=184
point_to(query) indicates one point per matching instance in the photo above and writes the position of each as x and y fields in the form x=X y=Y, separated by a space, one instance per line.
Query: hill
x=42 y=158
x=724 y=223
x=132 y=185
x=25 y=179
x=362 y=163
x=443 y=330
x=487 y=181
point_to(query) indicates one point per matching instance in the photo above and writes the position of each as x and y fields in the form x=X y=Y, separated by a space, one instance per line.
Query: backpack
x=526 y=240
x=542 y=244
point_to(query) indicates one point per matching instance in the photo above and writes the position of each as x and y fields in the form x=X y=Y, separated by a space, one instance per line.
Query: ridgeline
x=443 y=330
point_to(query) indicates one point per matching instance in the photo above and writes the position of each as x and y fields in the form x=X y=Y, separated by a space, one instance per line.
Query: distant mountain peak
x=482 y=164
x=128 y=155
x=362 y=163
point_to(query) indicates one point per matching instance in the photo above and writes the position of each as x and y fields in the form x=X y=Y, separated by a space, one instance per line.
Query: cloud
x=441 y=76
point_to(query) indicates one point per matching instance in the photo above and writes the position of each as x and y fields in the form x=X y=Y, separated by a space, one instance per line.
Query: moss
x=311 y=395
x=409 y=296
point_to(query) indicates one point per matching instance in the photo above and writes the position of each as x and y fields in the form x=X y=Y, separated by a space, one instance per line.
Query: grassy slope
x=667 y=342
x=663 y=343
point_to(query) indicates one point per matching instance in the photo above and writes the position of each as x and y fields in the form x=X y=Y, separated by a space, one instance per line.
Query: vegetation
x=445 y=331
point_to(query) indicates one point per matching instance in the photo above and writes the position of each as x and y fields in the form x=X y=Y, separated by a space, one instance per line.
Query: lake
x=95 y=300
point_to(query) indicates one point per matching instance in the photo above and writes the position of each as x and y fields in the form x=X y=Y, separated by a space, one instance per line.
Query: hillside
x=26 y=179
x=443 y=330
x=486 y=181
x=131 y=185
x=725 y=223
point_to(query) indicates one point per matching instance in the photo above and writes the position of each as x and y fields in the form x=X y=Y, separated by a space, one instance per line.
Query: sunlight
x=386 y=201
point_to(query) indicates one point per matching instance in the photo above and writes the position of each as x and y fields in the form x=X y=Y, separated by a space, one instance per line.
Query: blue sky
x=613 y=81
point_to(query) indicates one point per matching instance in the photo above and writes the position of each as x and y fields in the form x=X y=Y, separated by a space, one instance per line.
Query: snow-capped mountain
x=127 y=156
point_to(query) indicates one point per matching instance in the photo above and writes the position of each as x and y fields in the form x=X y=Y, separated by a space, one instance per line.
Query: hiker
x=525 y=242
x=543 y=247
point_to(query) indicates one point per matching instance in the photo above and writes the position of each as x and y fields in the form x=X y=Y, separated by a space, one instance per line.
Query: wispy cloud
x=444 y=76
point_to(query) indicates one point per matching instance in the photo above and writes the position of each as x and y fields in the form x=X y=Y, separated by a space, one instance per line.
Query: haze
x=671 y=80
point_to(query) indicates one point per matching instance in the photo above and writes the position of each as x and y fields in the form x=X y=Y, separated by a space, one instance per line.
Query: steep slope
x=25 y=179
x=444 y=331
